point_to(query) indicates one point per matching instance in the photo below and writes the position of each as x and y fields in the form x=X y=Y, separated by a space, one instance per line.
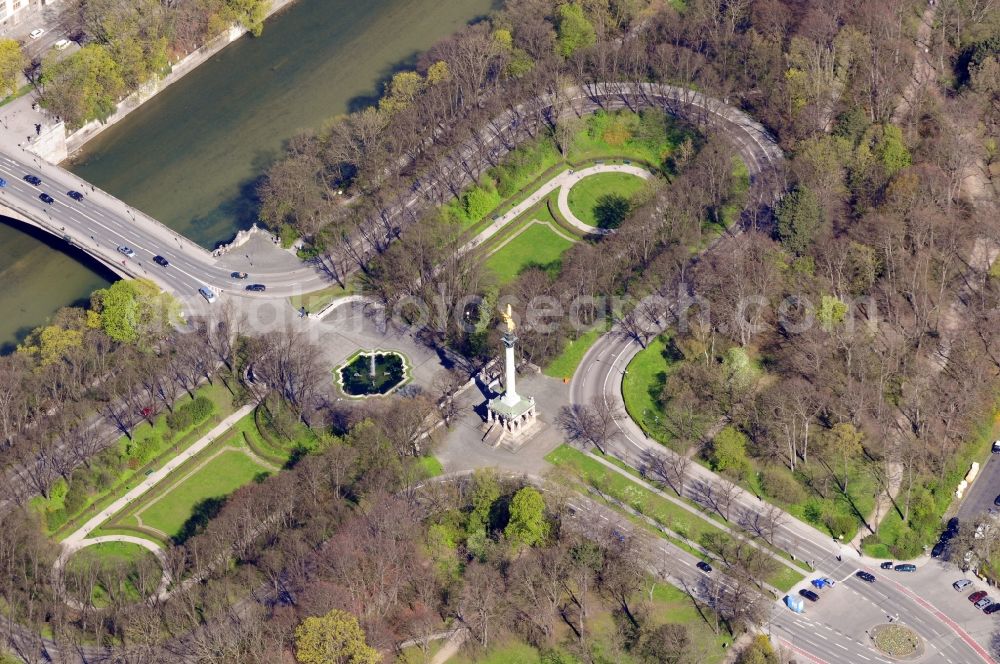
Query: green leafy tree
x=844 y=440
x=83 y=86
x=135 y=311
x=12 y=63
x=891 y=150
x=335 y=638
x=759 y=652
x=729 y=451
x=573 y=29
x=479 y=202
x=528 y=525
x=831 y=312
x=401 y=90
x=249 y=13
x=51 y=343
x=486 y=492
x=799 y=219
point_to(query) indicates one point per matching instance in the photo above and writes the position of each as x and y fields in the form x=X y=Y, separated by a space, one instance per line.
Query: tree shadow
x=203 y=512
x=611 y=210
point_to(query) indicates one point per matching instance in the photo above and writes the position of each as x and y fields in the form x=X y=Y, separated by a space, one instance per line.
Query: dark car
x=865 y=576
x=952 y=528
x=905 y=567
x=886 y=565
x=75 y=195
x=160 y=260
x=809 y=595
x=976 y=596
x=258 y=288
x=238 y=275
x=33 y=179
x=704 y=567
x=47 y=199
x=996 y=501
x=992 y=608
x=938 y=549
x=3 y=183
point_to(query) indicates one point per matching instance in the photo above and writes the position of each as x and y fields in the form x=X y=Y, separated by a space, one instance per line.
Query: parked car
x=36 y=33
x=865 y=576
x=238 y=275
x=823 y=582
x=976 y=596
x=207 y=293
x=961 y=584
x=704 y=567
x=257 y=288
x=126 y=251
x=886 y=565
x=62 y=44
x=160 y=260
x=33 y=179
x=905 y=567
x=809 y=595
x=992 y=608
x=938 y=549
x=75 y=195
x=996 y=447
x=983 y=603
x=996 y=501
x=48 y=200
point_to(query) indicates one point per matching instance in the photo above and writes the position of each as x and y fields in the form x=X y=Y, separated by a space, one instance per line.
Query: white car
x=62 y=44
x=36 y=33
x=126 y=251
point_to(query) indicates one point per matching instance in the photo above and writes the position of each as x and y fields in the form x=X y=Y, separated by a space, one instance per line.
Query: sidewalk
x=154 y=478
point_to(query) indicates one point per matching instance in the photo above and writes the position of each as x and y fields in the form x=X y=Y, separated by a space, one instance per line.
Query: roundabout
x=897 y=641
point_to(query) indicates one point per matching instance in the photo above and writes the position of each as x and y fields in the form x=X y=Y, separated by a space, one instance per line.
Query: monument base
x=509 y=425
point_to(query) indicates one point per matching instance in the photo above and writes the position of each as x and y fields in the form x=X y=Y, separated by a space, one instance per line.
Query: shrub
x=779 y=484
x=191 y=413
x=76 y=497
x=479 y=202
x=840 y=524
x=812 y=511
x=729 y=452
x=907 y=545
x=55 y=518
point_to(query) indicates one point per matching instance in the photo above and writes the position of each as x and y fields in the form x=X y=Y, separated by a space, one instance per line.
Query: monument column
x=510 y=396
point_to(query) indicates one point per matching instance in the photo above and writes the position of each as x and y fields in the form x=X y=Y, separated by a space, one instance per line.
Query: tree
x=527 y=525
x=844 y=440
x=759 y=652
x=335 y=638
x=573 y=29
x=135 y=311
x=249 y=13
x=729 y=451
x=83 y=86
x=12 y=63
x=665 y=644
x=799 y=219
x=592 y=424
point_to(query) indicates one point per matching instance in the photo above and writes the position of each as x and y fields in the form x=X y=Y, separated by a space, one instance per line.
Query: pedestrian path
x=154 y=478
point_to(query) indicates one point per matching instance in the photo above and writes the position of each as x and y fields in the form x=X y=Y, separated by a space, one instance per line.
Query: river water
x=190 y=156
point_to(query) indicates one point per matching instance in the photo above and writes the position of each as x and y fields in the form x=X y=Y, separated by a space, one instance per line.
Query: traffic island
x=897 y=641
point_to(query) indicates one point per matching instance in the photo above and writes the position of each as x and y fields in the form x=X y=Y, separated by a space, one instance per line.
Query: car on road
x=976 y=596
x=823 y=582
x=48 y=200
x=62 y=44
x=961 y=584
x=238 y=275
x=33 y=179
x=126 y=251
x=3 y=183
x=886 y=565
x=865 y=576
x=992 y=608
x=704 y=567
x=160 y=260
x=257 y=288
x=983 y=603
x=809 y=595
x=905 y=567
x=75 y=195
x=36 y=33
x=207 y=293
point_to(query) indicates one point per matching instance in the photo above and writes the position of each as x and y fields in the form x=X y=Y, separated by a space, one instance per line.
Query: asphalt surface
x=984 y=490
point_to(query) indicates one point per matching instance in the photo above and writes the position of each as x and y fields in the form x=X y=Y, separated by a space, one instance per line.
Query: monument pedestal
x=510 y=416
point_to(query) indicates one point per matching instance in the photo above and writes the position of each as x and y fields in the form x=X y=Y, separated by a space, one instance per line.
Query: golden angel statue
x=508 y=318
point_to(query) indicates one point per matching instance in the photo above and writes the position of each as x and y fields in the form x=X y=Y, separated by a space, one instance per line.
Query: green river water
x=190 y=156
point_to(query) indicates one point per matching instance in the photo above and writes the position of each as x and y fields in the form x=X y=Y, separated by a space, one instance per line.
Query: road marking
x=863 y=657
x=840 y=645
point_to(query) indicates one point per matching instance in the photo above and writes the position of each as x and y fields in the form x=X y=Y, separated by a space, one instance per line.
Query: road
x=984 y=490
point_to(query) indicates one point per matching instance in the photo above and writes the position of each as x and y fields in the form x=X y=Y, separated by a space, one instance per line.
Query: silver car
x=126 y=251
x=983 y=603
x=961 y=584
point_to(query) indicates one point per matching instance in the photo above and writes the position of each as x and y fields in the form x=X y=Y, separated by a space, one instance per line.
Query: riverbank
x=51 y=141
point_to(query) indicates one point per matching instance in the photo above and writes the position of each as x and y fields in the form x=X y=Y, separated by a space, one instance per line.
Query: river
x=190 y=156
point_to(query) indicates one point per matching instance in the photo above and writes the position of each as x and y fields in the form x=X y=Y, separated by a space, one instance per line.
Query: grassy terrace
x=565 y=364
x=699 y=529
x=534 y=245
x=126 y=463
x=587 y=195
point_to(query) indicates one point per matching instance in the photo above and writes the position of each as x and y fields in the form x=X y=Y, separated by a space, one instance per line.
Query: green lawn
x=510 y=652
x=641 y=386
x=218 y=478
x=536 y=245
x=430 y=465
x=585 y=197
x=117 y=557
x=316 y=300
x=565 y=364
